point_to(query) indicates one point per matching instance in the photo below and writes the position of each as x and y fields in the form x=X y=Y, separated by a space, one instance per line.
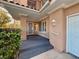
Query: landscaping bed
x=9 y=43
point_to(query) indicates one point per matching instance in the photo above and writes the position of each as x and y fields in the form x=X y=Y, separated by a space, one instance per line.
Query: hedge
x=9 y=43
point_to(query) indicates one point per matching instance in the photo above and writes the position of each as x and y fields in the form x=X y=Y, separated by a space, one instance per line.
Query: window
x=43 y=26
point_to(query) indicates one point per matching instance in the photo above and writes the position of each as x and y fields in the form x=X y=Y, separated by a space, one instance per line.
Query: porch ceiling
x=19 y=10
x=34 y=15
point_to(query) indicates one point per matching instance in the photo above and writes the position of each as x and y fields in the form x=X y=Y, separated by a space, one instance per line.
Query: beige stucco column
x=23 y=27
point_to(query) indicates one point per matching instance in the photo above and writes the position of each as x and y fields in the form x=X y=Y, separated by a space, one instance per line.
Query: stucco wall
x=72 y=10
x=57 y=33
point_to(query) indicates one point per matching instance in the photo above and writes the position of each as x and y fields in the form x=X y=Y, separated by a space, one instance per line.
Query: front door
x=72 y=45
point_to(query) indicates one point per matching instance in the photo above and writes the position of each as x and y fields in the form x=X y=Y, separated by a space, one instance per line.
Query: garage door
x=72 y=43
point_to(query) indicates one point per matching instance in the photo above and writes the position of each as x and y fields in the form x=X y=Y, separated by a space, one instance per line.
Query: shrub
x=9 y=43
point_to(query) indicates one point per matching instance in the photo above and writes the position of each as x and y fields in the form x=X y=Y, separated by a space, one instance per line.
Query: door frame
x=67 y=19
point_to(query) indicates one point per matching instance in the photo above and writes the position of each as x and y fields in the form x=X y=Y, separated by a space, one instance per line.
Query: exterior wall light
x=54 y=22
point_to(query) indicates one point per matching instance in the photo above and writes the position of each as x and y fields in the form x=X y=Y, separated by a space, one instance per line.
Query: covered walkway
x=34 y=46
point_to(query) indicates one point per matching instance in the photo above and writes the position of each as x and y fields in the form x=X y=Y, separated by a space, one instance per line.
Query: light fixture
x=54 y=22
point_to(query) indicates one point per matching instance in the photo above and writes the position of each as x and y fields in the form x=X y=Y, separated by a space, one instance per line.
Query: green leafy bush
x=9 y=43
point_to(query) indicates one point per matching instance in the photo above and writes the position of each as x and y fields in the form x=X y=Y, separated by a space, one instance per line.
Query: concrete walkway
x=52 y=54
x=33 y=46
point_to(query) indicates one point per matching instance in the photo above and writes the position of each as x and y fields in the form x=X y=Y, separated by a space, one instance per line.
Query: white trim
x=64 y=6
x=67 y=28
x=44 y=6
x=73 y=14
x=66 y=34
x=60 y=6
x=42 y=32
x=52 y=2
x=23 y=14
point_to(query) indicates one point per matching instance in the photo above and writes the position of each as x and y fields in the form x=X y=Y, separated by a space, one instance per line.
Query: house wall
x=72 y=10
x=57 y=33
x=59 y=39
